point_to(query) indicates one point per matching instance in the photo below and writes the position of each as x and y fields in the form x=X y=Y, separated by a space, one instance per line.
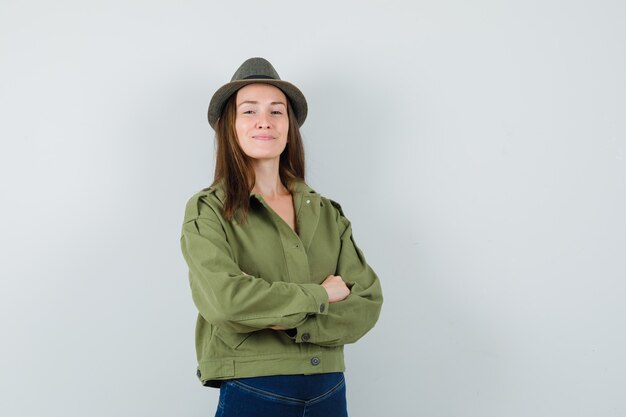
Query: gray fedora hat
x=257 y=70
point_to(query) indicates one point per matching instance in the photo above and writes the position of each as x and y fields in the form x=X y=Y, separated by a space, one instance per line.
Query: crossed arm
x=240 y=303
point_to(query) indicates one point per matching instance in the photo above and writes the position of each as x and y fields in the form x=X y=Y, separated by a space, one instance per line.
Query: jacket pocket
x=231 y=339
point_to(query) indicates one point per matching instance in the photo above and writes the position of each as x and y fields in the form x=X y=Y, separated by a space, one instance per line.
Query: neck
x=267 y=179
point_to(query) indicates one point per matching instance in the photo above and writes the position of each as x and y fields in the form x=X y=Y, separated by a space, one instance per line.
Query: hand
x=279 y=328
x=336 y=288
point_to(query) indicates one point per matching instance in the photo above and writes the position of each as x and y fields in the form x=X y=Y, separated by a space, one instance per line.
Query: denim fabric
x=319 y=395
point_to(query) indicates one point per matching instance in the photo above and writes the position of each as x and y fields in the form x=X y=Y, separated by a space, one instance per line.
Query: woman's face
x=262 y=123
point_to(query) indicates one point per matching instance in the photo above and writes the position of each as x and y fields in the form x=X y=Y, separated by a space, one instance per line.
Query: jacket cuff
x=307 y=332
x=320 y=298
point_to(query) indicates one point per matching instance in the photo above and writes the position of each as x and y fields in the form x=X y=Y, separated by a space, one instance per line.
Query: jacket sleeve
x=231 y=299
x=350 y=319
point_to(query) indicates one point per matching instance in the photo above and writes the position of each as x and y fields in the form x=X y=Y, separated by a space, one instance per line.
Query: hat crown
x=255 y=68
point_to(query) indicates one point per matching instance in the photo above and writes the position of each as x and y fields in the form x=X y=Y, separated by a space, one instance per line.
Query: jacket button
x=322 y=308
x=315 y=361
x=305 y=337
x=198 y=373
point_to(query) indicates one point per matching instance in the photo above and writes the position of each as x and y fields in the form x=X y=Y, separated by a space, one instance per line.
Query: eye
x=277 y=112
x=248 y=112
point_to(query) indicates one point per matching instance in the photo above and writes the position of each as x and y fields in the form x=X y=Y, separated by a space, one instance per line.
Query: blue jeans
x=319 y=395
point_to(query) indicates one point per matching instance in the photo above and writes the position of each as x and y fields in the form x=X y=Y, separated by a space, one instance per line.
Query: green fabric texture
x=246 y=278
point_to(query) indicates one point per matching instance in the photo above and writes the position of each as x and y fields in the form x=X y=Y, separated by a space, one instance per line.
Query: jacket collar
x=307 y=204
x=298 y=187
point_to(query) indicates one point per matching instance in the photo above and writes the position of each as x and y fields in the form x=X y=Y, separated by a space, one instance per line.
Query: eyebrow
x=256 y=102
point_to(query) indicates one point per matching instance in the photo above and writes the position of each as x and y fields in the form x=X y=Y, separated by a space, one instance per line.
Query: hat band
x=259 y=76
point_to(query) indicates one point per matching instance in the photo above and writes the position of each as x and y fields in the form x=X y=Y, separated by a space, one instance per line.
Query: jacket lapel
x=307 y=204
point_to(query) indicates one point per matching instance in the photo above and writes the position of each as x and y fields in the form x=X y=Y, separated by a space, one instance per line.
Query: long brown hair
x=233 y=168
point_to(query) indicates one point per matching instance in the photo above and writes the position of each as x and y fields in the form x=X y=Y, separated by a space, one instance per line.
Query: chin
x=261 y=153
x=264 y=157
x=264 y=154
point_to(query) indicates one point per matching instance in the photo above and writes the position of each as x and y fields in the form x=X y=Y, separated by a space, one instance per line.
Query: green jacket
x=246 y=278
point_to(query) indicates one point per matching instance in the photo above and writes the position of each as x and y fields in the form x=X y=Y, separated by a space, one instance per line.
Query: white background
x=479 y=149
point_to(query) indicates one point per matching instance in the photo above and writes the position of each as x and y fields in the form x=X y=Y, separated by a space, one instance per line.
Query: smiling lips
x=263 y=137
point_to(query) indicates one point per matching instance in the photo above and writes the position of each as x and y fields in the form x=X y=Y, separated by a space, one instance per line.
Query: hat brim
x=221 y=96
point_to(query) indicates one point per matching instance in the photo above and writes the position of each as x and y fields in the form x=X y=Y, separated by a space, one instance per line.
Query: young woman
x=277 y=278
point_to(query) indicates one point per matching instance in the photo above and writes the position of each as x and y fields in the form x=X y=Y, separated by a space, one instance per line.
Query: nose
x=263 y=121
